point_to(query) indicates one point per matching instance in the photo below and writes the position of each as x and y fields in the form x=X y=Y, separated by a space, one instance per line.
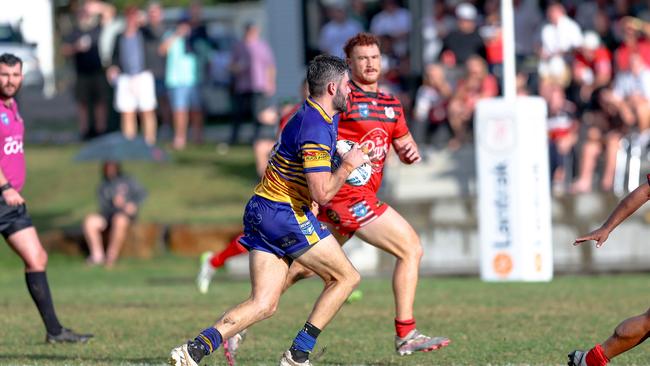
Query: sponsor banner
x=514 y=190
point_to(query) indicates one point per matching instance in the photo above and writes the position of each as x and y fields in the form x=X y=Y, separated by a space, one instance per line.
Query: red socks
x=596 y=356
x=233 y=249
x=403 y=327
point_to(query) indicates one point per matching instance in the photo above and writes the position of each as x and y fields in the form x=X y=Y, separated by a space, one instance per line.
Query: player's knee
x=266 y=307
x=37 y=262
x=411 y=249
x=352 y=279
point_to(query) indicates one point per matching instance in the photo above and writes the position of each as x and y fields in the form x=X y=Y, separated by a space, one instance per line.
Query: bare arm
x=623 y=210
x=181 y=31
x=105 y=10
x=407 y=149
x=323 y=186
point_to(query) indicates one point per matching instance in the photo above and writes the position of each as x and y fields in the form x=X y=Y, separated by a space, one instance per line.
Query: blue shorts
x=274 y=227
x=183 y=98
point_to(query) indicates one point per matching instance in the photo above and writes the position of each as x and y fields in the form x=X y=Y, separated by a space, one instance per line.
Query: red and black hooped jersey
x=373 y=120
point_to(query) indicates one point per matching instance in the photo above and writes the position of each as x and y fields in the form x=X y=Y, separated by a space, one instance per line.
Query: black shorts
x=266 y=132
x=13 y=219
x=91 y=88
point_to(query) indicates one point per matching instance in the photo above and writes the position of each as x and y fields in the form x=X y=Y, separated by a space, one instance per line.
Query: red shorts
x=352 y=212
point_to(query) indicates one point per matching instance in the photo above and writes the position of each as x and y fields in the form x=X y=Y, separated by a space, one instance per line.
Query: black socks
x=40 y=291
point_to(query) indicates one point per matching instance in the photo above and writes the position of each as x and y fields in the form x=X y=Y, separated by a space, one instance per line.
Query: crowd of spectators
x=157 y=69
x=588 y=59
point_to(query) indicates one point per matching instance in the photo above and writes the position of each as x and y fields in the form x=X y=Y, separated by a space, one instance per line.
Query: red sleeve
x=401 y=129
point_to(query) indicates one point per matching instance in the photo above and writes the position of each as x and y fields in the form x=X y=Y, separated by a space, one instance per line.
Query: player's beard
x=340 y=102
x=7 y=94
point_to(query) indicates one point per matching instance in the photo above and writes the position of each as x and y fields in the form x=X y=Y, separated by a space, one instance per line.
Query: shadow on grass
x=82 y=359
x=44 y=220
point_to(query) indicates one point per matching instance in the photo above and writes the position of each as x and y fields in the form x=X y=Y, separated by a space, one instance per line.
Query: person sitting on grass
x=632 y=331
x=119 y=197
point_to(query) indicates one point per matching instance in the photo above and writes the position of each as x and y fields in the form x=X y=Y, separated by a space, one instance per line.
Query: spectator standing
x=493 y=38
x=154 y=32
x=253 y=69
x=395 y=22
x=135 y=87
x=560 y=36
x=359 y=12
x=528 y=23
x=338 y=30
x=434 y=29
x=120 y=197
x=182 y=82
x=82 y=44
x=465 y=41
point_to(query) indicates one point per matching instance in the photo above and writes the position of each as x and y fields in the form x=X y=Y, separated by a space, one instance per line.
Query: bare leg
x=119 y=228
x=393 y=234
x=100 y=110
x=627 y=335
x=129 y=125
x=196 y=118
x=27 y=245
x=262 y=149
x=329 y=262
x=149 y=126
x=612 y=141
x=82 y=115
x=93 y=227
x=268 y=273
x=298 y=272
x=590 y=151
x=180 y=129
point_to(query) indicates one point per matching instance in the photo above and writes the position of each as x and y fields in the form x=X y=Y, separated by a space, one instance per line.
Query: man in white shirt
x=559 y=37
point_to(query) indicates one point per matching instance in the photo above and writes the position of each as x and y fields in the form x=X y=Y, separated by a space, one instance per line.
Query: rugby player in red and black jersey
x=632 y=331
x=376 y=121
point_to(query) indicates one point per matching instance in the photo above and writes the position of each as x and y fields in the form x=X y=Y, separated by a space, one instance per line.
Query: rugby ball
x=361 y=175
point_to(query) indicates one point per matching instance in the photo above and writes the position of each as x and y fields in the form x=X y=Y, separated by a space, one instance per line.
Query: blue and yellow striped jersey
x=306 y=145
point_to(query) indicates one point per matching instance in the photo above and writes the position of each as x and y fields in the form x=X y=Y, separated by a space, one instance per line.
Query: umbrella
x=116 y=147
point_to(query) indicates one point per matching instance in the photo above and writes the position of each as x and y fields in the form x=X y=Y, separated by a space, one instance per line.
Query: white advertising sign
x=513 y=189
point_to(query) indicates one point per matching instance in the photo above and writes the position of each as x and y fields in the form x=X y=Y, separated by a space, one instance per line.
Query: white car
x=12 y=41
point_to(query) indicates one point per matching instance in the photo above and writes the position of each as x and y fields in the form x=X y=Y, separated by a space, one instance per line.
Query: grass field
x=196 y=186
x=142 y=309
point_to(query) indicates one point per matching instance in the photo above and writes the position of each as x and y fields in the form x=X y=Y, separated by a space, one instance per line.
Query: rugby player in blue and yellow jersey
x=279 y=227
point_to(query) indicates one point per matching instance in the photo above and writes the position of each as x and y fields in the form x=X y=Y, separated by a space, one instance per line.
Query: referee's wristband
x=5 y=187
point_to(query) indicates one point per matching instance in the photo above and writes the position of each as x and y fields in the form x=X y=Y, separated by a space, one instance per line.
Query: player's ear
x=331 y=88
